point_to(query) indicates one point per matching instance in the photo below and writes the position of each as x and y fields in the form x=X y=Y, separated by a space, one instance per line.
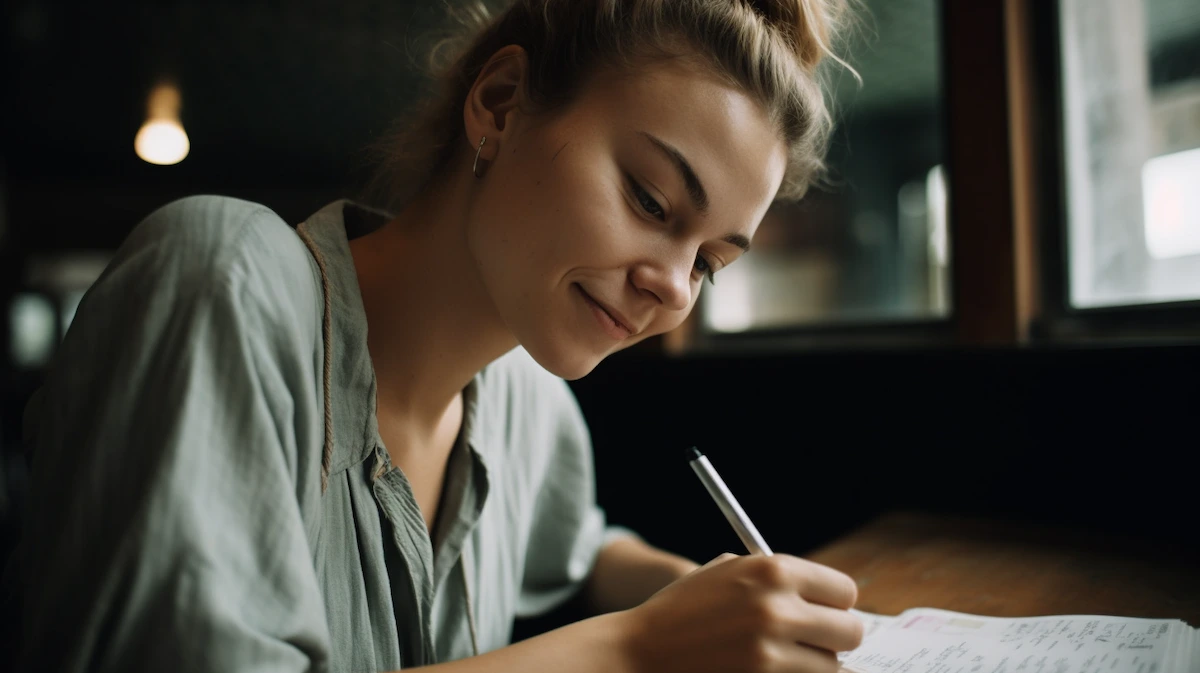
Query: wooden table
x=1005 y=569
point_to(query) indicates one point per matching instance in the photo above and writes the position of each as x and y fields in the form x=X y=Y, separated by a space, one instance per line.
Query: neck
x=432 y=325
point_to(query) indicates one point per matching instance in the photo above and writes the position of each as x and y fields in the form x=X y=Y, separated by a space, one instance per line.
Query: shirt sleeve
x=569 y=528
x=164 y=529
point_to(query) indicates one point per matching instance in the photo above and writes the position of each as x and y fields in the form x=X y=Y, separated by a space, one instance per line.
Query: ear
x=494 y=98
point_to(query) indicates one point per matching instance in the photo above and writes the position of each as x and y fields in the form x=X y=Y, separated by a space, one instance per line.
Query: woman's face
x=597 y=225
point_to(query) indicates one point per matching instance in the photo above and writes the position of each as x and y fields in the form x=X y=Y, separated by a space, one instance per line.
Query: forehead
x=724 y=133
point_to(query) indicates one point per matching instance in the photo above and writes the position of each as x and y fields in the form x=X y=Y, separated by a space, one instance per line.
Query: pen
x=728 y=504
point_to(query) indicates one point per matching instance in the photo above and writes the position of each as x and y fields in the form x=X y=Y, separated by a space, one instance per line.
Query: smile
x=609 y=323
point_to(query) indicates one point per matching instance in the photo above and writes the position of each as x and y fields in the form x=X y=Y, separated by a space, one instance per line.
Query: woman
x=232 y=472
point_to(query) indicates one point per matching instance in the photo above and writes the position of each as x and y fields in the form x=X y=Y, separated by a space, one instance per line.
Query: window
x=33 y=330
x=42 y=309
x=1131 y=133
x=873 y=247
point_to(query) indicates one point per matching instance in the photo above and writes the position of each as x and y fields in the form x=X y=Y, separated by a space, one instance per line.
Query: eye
x=646 y=201
x=704 y=268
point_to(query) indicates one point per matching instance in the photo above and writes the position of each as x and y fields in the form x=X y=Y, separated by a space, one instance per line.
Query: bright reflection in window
x=1171 y=185
x=731 y=302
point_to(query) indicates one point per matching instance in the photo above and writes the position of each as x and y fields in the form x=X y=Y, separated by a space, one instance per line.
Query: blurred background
x=993 y=308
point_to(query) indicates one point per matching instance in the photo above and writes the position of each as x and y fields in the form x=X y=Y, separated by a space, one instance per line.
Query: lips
x=620 y=322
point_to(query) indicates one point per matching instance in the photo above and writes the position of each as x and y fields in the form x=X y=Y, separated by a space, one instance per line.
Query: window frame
x=1059 y=320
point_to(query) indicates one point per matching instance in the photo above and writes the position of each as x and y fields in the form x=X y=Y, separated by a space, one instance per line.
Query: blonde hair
x=772 y=50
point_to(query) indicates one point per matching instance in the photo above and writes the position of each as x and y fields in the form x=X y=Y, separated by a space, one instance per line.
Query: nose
x=668 y=281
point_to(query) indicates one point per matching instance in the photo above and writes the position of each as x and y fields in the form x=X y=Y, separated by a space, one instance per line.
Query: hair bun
x=810 y=25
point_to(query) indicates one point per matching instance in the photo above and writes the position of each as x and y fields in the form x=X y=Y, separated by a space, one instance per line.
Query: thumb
x=712 y=564
x=719 y=560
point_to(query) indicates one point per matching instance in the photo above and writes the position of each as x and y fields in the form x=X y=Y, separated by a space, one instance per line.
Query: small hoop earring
x=475 y=168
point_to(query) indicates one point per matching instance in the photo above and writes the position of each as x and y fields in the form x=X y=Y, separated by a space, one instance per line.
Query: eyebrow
x=695 y=188
x=738 y=240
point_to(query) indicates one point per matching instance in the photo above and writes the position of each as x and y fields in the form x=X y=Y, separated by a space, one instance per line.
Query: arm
x=164 y=527
x=628 y=571
x=597 y=645
x=751 y=613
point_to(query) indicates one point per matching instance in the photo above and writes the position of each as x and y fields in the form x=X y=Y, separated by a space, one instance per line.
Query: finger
x=827 y=586
x=821 y=627
x=814 y=582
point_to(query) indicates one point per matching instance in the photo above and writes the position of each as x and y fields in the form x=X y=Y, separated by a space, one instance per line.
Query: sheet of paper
x=871 y=624
x=936 y=641
x=871 y=621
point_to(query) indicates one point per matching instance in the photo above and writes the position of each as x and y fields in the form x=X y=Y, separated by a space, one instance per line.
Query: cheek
x=582 y=224
x=552 y=207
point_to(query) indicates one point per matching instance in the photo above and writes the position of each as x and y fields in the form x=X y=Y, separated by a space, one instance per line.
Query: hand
x=747 y=613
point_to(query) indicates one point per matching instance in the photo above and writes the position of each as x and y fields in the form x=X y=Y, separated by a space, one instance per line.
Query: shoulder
x=201 y=272
x=208 y=244
x=219 y=235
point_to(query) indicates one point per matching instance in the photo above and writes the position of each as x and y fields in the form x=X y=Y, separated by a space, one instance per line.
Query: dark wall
x=812 y=444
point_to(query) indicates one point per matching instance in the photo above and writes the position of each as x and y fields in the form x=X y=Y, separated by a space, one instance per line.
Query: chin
x=564 y=360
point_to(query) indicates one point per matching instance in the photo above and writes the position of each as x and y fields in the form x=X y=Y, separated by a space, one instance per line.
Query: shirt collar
x=352 y=374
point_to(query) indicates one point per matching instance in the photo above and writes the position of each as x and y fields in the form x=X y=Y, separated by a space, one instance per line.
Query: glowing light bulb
x=162 y=140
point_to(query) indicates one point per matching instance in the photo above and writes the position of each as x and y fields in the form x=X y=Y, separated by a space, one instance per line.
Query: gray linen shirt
x=178 y=517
